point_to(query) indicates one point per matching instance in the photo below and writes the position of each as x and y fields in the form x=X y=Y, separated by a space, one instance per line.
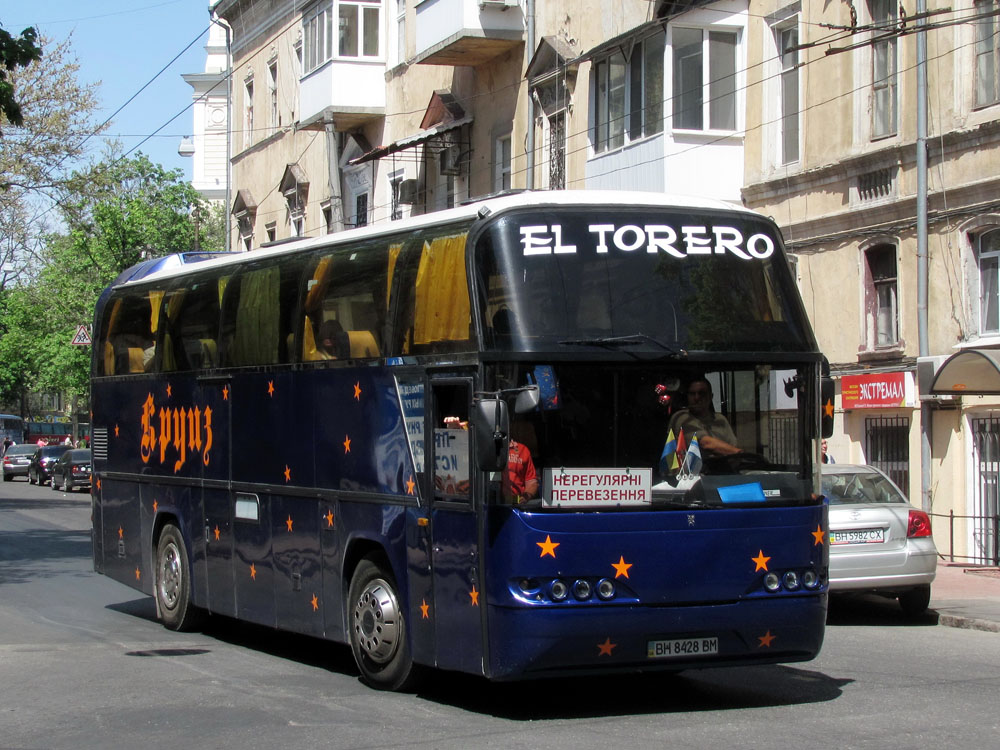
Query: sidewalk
x=966 y=597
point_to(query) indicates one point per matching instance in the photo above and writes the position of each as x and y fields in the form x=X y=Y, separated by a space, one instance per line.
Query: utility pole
x=926 y=414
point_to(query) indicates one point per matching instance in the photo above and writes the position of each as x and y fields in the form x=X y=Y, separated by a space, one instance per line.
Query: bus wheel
x=378 y=629
x=173 y=582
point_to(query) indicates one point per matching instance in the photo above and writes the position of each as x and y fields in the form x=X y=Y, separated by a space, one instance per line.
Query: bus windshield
x=656 y=279
x=677 y=435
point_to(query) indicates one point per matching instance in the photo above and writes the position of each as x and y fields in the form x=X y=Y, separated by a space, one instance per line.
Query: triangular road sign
x=82 y=337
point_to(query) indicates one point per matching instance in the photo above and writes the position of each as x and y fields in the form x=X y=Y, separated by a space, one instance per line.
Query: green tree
x=15 y=52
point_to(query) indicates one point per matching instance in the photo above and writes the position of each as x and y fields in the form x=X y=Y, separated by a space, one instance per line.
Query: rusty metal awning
x=412 y=140
x=969 y=372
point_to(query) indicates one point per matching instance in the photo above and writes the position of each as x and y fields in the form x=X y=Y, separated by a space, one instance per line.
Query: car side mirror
x=491 y=422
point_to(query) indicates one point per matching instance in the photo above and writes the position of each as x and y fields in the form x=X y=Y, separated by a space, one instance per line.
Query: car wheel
x=31 y=478
x=8 y=477
x=173 y=583
x=378 y=628
x=914 y=602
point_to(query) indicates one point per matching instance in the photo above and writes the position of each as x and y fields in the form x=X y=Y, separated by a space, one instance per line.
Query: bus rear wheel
x=173 y=582
x=378 y=629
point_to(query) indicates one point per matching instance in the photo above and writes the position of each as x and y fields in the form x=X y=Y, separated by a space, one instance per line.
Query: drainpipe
x=922 y=271
x=529 y=141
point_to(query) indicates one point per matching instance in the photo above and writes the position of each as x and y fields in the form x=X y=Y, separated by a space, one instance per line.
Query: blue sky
x=123 y=45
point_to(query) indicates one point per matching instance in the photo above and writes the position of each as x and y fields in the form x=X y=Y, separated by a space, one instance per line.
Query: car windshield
x=857 y=487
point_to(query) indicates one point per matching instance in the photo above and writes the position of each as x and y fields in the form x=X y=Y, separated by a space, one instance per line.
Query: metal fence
x=887 y=446
x=985 y=490
x=980 y=556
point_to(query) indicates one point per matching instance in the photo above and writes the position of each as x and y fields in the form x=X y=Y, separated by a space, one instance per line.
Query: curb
x=968 y=623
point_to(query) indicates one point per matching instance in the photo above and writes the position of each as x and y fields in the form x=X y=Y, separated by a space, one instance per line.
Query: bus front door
x=455 y=559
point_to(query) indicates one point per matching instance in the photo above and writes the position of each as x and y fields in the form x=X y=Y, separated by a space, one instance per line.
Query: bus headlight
x=771 y=582
x=605 y=588
x=810 y=579
x=558 y=591
x=581 y=589
x=791 y=580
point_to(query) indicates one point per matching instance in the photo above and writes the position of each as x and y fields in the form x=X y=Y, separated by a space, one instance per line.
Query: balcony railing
x=466 y=32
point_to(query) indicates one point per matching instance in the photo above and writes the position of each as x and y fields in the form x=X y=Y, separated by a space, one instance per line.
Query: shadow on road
x=872 y=609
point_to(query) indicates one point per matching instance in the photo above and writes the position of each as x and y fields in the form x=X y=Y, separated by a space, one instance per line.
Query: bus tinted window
x=192 y=317
x=257 y=321
x=127 y=338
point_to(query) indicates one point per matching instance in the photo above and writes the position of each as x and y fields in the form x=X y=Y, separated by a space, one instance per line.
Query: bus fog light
x=791 y=580
x=810 y=579
x=771 y=582
x=558 y=591
x=605 y=588
x=581 y=589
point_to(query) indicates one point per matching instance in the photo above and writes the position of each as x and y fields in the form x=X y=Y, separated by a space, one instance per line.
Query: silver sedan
x=878 y=541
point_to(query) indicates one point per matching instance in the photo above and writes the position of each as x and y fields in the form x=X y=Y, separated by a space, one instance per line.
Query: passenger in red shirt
x=520 y=483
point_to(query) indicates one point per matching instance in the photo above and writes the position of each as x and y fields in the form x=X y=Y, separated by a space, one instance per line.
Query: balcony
x=466 y=32
x=350 y=92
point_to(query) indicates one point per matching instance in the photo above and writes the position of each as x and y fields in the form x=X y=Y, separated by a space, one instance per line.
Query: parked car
x=40 y=468
x=878 y=541
x=16 y=460
x=72 y=470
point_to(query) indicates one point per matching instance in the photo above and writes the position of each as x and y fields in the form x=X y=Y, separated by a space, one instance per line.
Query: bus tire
x=377 y=628
x=172 y=586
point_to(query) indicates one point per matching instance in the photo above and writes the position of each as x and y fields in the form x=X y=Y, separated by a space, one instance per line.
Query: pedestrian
x=826 y=458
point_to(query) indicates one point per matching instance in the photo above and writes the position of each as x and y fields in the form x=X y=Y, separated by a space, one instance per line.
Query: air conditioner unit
x=409 y=192
x=449 y=160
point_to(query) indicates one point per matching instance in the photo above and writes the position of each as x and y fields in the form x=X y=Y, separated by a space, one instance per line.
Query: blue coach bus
x=342 y=437
x=11 y=428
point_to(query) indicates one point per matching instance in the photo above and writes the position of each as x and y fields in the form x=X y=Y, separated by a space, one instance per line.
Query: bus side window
x=127 y=338
x=257 y=315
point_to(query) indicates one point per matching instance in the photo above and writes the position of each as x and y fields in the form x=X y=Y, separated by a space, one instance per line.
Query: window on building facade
x=881 y=292
x=400 y=31
x=359 y=27
x=704 y=80
x=557 y=151
x=501 y=163
x=271 y=230
x=628 y=94
x=361 y=210
x=788 y=41
x=248 y=113
x=987 y=52
x=317 y=33
x=884 y=85
x=987 y=247
x=272 y=90
x=245 y=225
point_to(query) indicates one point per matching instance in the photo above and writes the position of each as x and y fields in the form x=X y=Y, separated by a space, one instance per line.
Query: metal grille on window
x=557 y=151
x=985 y=509
x=876 y=184
x=887 y=446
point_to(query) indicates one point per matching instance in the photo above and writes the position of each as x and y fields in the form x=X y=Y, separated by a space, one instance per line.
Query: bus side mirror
x=527 y=399
x=827 y=391
x=491 y=422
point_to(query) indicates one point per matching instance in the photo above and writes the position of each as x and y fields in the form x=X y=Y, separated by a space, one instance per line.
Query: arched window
x=987 y=249
x=881 y=302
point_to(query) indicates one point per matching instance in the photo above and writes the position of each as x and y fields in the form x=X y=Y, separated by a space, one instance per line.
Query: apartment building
x=831 y=154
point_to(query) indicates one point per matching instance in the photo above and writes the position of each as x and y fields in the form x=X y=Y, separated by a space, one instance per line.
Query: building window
x=788 y=41
x=557 y=151
x=883 y=309
x=400 y=31
x=987 y=247
x=704 y=80
x=501 y=163
x=359 y=28
x=317 y=30
x=361 y=210
x=245 y=225
x=629 y=94
x=272 y=90
x=887 y=447
x=248 y=113
x=987 y=52
x=271 y=230
x=884 y=102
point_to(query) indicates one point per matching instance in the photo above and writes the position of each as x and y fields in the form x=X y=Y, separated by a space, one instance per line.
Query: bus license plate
x=682 y=647
x=858 y=536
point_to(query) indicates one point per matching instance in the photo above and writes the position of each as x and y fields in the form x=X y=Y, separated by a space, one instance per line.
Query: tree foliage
x=15 y=52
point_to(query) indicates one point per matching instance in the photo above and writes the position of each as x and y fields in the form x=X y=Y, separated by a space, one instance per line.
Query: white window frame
x=272 y=90
x=502 y=162
x=988 y=319
x=616 y=110
x=986 y=54
x=317 y=35
x=364 y=21
x=884 y=73
x=729 y=81
x=248 y=137
x=789 y=92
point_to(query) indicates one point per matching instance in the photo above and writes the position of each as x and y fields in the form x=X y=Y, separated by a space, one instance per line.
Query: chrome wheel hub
x=376 y=622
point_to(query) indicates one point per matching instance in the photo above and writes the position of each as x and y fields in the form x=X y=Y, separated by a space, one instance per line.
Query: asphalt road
x=84 y=664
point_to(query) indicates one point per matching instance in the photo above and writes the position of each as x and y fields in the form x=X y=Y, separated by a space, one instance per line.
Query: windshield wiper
x=613 y=342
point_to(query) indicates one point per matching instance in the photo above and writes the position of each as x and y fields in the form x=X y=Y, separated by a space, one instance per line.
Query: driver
x=715 y=435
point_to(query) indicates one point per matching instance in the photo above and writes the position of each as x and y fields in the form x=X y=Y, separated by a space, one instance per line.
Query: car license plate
x=681 y=647
x=857 y=536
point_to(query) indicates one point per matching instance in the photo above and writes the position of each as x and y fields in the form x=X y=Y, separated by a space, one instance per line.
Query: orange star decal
x=288 y=474
x=253 y=572
x=137 y=574
x=765 y=640
x=548 y=546
x=817 y=535
x=217 y=532
x=315 y=602
x=357 y=391
x=425 y=609
x=474 y=596
x=168 y=390
x=347 y=444
x=225 y=393
x=621 y=567
x=98 y=483
x=828 y=408
x=761 y=561
x=410 y=486
x=155 y=506
x=288 y=523
x=329 y=518
x=270 y=388
x=116 y=430
x=121 y=533
x=605 y=649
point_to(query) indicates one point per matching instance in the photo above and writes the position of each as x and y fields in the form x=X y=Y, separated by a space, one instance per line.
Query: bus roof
x=166 y=268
